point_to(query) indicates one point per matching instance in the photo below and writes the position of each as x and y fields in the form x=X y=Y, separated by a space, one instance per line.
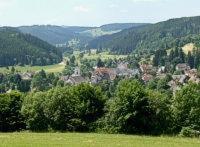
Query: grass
x=91 y=140
x=188 y=48
x=103 y=56
x=49 y=69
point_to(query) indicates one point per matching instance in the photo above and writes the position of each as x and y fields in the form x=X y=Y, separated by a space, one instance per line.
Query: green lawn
x=91 y=140
x=49 y=69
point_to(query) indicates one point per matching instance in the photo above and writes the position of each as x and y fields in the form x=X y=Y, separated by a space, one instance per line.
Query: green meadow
x=49 y=69
x=91 y=140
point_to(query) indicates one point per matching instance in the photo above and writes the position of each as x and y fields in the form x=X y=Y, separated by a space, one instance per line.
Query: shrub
x=189 y=132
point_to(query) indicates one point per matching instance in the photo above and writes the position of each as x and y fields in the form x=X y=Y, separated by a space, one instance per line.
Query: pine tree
x=190 y=60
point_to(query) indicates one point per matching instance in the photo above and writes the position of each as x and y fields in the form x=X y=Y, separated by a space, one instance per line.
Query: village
x=146 y=72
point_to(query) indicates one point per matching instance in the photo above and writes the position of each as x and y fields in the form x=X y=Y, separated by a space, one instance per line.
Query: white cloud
x=81 y=8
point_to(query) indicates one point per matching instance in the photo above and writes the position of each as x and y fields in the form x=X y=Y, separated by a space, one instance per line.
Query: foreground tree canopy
x=132 y=109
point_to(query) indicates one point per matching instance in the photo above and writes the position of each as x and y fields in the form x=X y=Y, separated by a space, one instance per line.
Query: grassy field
x=49 y=69
x=91 y=140
x=103 y=56
x=188 y=48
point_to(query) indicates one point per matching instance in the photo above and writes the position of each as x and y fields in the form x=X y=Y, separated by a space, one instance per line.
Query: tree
x=161 y=105
x=100 y=63
x=40 y=82
x=10 y=115
x=190 y=60
x=33 y=111
x=181 y=55
x=12 y=70
x=91 y=102
x=72 y=59
x=129 y=111
x=186 y=107
x=63 y=110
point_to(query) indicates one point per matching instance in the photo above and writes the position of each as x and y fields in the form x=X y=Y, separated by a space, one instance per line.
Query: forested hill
x=56 y=34
x=120 y=26
x=17 y=48
x=151 y=37
x=65 y=34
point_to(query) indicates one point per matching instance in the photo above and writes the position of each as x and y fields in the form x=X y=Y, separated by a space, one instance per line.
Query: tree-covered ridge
x=150 y=37
x=56 y=34
x=64 y=34
x=23 y=49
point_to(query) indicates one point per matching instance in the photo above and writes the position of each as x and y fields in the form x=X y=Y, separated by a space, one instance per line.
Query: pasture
x=91 y=140
x=49 y=69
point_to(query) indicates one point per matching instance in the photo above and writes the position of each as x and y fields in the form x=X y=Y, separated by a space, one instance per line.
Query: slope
x=17 y=48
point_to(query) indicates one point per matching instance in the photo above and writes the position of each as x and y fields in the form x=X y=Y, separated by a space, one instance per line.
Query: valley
x=138 y=79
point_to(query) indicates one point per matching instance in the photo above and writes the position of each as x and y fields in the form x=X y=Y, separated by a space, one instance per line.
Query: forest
x=17 y=48
x=162 y=35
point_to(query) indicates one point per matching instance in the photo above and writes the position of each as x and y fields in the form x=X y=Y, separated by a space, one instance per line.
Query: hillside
x=23 y=49
x=65 y=34
x=56 y=34
x=163 y=35
x=120 y=26
x=110 y=29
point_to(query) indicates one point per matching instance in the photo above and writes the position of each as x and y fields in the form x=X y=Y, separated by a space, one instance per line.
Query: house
x=127 y=72
x=64 y=78
x=123 y=70
x=147 y=77
x=122 y=65
x=147 y=69
x=192 y=73
x=174 y=86
x=75 y=78
x=182 y=67
x=27 y=75
x=161 y=70
x=194 y=79
x=103 y=74
x=180 y=79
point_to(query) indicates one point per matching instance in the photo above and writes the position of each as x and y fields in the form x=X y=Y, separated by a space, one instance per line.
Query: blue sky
x=93 y=12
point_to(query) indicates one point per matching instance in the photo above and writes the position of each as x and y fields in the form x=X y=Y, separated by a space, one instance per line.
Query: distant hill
x=17 y=48
x=56 y=34
x=110 y=29
x=163 y=35
x=82 y=35
x=120 y=26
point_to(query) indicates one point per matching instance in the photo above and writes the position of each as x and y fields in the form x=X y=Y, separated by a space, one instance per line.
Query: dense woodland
x=163 y=35
x=23 y=49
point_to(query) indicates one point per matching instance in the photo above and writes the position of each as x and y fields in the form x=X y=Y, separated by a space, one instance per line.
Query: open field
x=102 y=56
x=188 y=48
x=49 y=69
x=91 y=140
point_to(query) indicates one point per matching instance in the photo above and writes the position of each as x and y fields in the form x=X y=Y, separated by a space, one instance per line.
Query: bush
x=130 y=111
x=10 y=115
x=186 y=107
x=33 y=111
x=189 y=132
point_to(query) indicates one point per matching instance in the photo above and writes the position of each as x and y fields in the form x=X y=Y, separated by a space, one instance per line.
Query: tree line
x=132 y=109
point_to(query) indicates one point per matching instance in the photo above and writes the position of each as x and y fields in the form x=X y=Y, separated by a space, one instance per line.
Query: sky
x=93 y=12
